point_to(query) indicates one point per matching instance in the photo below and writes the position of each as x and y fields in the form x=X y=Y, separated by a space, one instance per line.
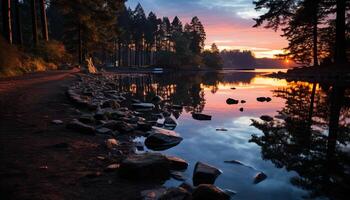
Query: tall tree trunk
x=340 y=41
x=315 y=35
x=119 y=54
x=45 y=31
x=6 y=17
x=19 y=35
x=34 y=22
x=80 y=45
x=311 y=110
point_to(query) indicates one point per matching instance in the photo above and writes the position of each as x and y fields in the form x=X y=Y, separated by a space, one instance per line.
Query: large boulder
x=162 y=139
x=205 y=174
x=209 y=192
x=81 y=127
x=145 y=166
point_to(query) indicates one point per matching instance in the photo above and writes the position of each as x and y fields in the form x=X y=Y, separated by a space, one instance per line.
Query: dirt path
x=39 y=160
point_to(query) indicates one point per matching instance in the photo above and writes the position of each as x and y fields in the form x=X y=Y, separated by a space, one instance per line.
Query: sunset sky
x=228 y=23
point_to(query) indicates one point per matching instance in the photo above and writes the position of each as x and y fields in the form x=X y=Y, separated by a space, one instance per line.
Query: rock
x=259 y=177
x=62 y=145
x=124 y=127
x=243 y=101
x=104 y=131
x=170 y=121
x=176 y=107
x=230 y=193
x=268 y=99
x=145 y=166
x=110 y=104
x=221 y=129
x=118 y=114
x=87 y=119
x=147 y=106
x=139 y=146
x=81 y=127
x=200 y=116
x=177 y=163
x=188 y=187
x=152 y=194
x=112 y=144
x=100 y=115
x=135 y=101
x=111 y=124
x=266 y=118
x=230 y=101
x=205 y=174
x=177 y=176
x=233 y=88
x=157 y=99
x=175 y=194
x=162 y=139
x=160 y=121
x=209 y=192
x=57 y=122
x=144 y=126
x=112 y=167
x=241 y=109
x=261 y=99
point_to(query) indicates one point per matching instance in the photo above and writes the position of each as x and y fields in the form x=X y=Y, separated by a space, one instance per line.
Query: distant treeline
x=246 y=60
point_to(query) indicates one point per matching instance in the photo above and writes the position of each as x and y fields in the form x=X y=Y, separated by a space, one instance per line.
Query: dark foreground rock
x=177 y=163
x=209 y=192
x=259 y=177
x=230 y=101
x=176 y=194
x=266 y=118
x=205 y=174
x=201 y=117
x=145 y=166
x=263 y=99
x=81 y=127
x=162 y=139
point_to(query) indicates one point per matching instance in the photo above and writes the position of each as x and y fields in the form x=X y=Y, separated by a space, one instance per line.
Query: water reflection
x=304 y=149
x=311 y=136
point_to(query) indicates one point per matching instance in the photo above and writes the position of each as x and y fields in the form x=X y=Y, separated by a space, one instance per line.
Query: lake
x=301 y=156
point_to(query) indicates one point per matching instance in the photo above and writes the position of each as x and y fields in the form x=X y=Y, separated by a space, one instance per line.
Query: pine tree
x=7 y=22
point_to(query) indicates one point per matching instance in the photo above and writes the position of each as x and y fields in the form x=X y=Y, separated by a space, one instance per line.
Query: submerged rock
x=201 y=117
x=230 y=101
x=261 y=176
x=209 y=192
x=162 y=139
x=81 y=127
x=145 y=166
x=205 y=174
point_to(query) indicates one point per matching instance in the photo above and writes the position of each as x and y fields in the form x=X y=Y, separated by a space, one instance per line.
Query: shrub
x=52 y=51
x=10 y=59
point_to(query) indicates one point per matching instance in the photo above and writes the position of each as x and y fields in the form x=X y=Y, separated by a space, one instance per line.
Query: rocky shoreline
x=111 y=114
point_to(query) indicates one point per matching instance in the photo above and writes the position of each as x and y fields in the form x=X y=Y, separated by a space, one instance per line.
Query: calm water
x=301 y=156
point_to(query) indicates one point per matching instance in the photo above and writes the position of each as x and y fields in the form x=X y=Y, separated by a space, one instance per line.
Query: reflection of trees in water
x=180 y=89
x=299 y=140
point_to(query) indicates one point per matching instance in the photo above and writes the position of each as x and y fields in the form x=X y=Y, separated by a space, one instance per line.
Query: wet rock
x=230 y=193
x=230 y=101
x=112 y=167
x=170 y=121
x=111 y=124
x=201 y=117
x=87 y=119
x=81 y=127
x=124 y=127
x=178 y=176
x=143 y=106
x=162 y=139
x=261 y=176
x=241 y=109
x=268 y=99
x=135 y=101
x=104 y=131
x=188 y=187
x=100 y=115
x=175 y=194
x=205 y=174
x=157 y=99
x=209 y=192
x=177 y=163
x=243 y=101
x=152 y=194
x=221 y=129
x=57 y=122
x=112 y=144
x=118 y=114
x=144 y=126
x=145 y=166
x=266 y=118
x=160 y=121
x=176 y=107
x=233 y=88
x=110 y=104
